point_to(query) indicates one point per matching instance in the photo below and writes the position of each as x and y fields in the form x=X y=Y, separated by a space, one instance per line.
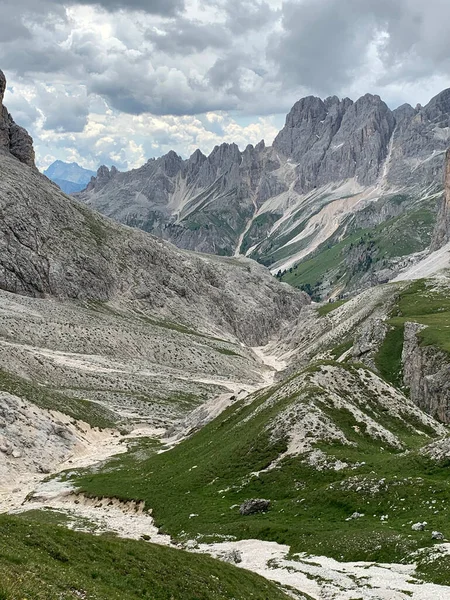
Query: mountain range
x=176 y=424
x=70 y=177
x=338 y=173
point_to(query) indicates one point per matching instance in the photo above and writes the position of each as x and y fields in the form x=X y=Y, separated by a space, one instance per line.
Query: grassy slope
x=420 y=304
x=327 y=308
x=396 y=237
x=209 y=475
x=39 y=561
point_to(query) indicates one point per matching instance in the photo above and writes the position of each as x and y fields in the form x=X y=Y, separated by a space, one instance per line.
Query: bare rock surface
x=14 y=140
x=427 y=374
x=442 y=232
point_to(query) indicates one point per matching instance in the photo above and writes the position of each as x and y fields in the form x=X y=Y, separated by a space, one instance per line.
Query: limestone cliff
x=426 y=371
x=442 y=232
x=14 y=140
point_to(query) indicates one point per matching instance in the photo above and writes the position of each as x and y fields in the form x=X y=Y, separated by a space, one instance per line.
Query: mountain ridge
x=330 y=163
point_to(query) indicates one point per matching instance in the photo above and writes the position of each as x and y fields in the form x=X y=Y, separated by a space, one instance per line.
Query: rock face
x=442 y=232
x=31 y=439
x=337 y=139
x=14 y=140
x=203 y=203
x=426 y=372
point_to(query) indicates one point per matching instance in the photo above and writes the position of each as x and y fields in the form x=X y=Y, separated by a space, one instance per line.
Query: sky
x=119 y=82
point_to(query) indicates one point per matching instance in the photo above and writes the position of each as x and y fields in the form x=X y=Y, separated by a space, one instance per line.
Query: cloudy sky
x=119 y=81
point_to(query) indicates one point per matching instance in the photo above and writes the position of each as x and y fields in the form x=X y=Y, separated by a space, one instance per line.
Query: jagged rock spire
x=14 y=140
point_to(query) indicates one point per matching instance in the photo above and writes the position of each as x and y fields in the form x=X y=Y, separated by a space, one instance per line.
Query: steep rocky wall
x=442 y=232
x=14 y=140
x=426 y=371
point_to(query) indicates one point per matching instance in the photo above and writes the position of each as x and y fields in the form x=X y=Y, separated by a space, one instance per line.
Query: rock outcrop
x=31 y=439
x=333 y=140
x=426 y=371
x=14 y=140
x=255 y=506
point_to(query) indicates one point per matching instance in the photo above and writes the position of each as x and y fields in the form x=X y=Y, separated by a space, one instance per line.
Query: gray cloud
x=246 y=15
x=134 y=89
x=321 y=47
x=155 y=7
x=25 y=113
x=246 y=56
x=183 y=36
x=64 y=112
x=326 y=44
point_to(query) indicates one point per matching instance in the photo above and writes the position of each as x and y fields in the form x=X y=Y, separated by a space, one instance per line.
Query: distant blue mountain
x=70 y=177
x=68 y=187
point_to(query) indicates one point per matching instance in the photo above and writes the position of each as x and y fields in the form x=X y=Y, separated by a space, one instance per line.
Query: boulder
x=251 y=507
x=355 y=515
x=233 y=557
x=419 y=526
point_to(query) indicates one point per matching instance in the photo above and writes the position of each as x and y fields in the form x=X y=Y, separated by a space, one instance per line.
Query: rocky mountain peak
x=103 y=177
x=224 y=156
x=333 y=139
x=197 y=157
x=193 y=165
x=439 y=106
x=260 y=146
x=405 y=111
x=172 y=163
x=14 y=139
x=309 y=109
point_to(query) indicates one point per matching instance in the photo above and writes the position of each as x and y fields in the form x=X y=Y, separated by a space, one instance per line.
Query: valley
x=184 y=425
